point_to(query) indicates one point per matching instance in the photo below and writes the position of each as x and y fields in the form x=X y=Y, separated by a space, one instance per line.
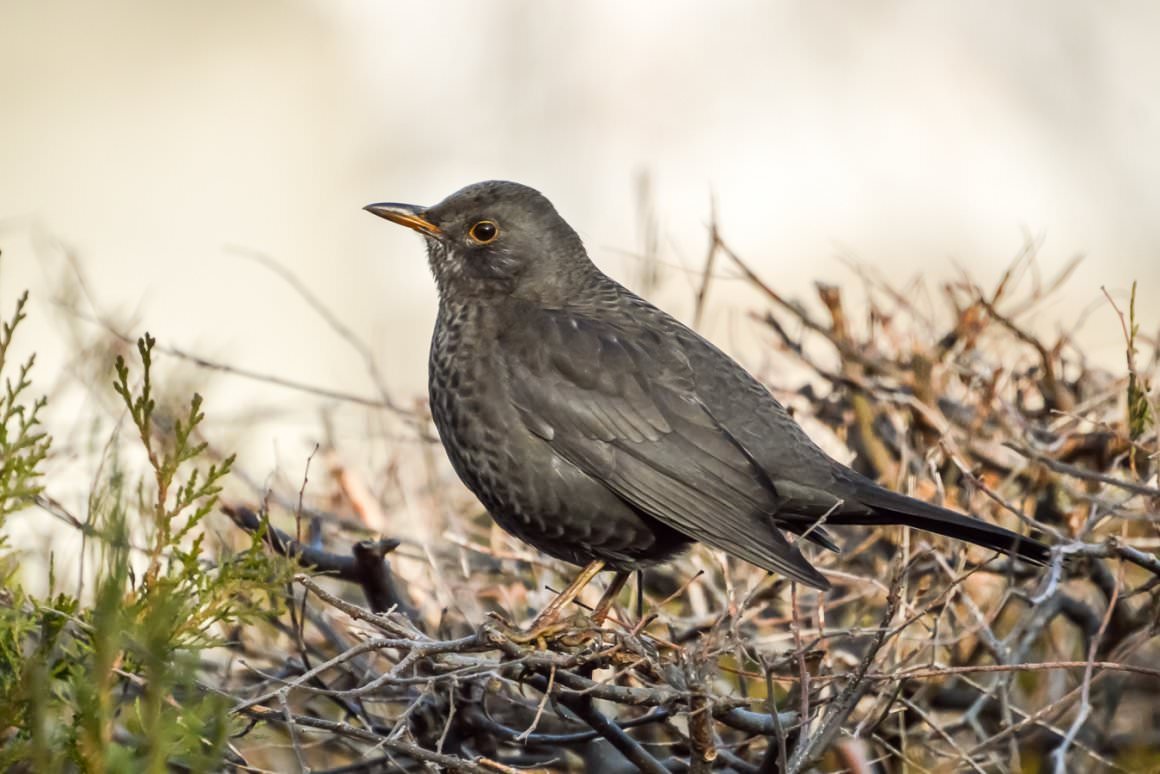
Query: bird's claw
x=573 y=632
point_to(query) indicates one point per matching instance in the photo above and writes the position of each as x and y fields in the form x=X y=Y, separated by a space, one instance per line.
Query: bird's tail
x=894 y=508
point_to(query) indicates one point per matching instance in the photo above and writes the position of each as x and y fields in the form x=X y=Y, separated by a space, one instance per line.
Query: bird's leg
x=605 y=603
x=549 y=613
x=639 y=594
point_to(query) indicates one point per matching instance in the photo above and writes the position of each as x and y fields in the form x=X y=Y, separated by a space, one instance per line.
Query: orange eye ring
x=484 y=232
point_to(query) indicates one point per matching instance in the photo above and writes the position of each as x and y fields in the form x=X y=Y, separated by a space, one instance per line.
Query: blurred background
x=157 y=147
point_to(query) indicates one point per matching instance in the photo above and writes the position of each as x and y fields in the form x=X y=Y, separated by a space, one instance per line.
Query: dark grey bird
x=604 y=432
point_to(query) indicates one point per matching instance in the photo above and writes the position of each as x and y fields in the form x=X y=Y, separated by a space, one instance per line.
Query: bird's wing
x=622 y=406
x=811 y=484
x=808 y=481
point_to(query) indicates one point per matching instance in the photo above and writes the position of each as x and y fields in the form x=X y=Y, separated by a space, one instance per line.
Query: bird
x=604 y=432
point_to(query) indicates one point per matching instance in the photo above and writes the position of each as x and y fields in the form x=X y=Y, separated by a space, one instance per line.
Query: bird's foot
x=571 y=632
x=574 y=631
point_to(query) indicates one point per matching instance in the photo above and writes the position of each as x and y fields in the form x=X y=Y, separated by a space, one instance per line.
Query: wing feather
x=629 y=415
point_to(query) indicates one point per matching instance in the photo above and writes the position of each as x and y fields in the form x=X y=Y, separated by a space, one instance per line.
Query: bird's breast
x=467 y=389
x=509 y=464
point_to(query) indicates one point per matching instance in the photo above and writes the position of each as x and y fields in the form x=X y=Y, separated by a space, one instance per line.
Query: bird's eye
x=484 y=232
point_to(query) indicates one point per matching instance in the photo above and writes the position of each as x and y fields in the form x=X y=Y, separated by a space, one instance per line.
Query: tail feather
x=894 y=508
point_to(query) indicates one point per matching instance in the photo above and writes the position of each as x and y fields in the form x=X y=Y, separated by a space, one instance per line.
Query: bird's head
x=496 y=239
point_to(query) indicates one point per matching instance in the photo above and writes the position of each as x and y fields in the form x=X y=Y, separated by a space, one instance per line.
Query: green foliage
x=1139 y=409
x=23 y=446
x=109 y=680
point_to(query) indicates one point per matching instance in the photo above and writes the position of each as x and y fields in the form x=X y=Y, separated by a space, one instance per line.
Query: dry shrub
x=926 y=655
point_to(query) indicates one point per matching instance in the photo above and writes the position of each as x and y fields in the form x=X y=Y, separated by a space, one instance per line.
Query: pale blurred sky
x=151 y=136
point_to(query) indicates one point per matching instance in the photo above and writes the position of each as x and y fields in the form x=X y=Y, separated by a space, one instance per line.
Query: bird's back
x=740 y=404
